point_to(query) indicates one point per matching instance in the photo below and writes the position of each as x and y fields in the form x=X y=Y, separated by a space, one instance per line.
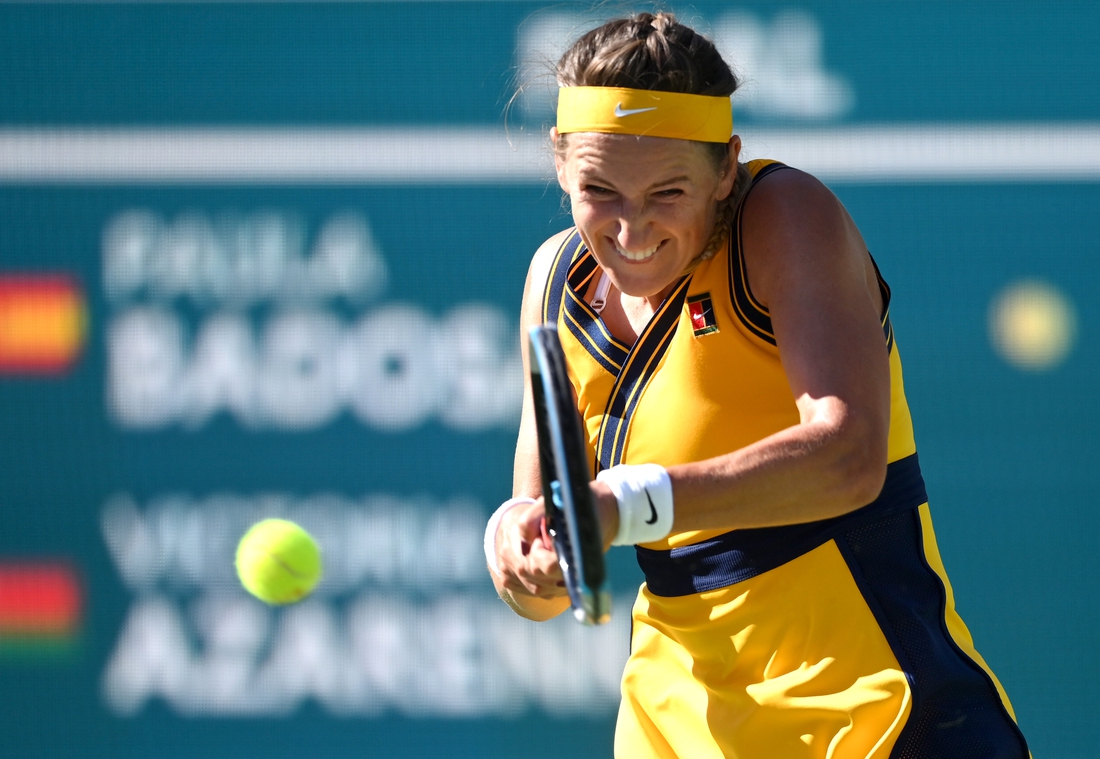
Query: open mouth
x=637 y=255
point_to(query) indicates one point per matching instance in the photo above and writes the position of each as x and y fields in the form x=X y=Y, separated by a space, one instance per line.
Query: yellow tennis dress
x=837 y=638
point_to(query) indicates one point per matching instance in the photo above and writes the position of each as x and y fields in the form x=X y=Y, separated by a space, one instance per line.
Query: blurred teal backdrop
x=266 y=259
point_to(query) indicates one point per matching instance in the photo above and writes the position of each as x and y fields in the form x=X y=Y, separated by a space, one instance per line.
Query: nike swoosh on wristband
x=619 y=112
x=652 y=509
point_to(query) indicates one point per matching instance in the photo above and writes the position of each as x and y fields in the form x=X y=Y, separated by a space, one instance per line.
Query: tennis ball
x=1033 y=325
x=278 y=561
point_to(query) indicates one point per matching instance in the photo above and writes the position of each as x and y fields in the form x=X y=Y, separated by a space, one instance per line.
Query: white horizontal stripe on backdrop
x=418 y=155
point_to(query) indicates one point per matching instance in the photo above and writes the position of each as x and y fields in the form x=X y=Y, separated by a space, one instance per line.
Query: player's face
x=645 y=206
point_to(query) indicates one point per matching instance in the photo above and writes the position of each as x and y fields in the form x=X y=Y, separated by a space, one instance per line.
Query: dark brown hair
x=647 y=52
x=654 y=51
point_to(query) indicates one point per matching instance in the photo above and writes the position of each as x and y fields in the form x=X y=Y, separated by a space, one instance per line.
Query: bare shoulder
x=793 y=223
x=791 y=190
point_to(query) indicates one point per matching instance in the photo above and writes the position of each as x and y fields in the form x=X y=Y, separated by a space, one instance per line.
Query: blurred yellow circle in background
x=1032 y=325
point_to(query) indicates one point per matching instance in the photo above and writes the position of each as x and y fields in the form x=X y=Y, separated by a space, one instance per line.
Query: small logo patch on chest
x=701 y=311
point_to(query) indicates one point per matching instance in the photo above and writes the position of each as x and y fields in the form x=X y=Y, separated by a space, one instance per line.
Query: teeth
x=637 y=255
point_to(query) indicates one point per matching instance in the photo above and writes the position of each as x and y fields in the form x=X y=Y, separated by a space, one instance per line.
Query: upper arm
x=525 y=478
x=808 y=263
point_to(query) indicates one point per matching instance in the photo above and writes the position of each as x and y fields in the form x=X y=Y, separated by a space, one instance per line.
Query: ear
x=559 y=164
x=725 y=186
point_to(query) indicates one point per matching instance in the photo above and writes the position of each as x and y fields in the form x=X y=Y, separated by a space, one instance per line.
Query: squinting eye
x=673 y=193
x=593 y=189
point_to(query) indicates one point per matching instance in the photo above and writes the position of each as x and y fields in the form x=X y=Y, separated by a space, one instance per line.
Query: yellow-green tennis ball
x=278 y=561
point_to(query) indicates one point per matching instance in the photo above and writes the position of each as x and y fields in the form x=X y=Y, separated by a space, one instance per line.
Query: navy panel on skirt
x=741 y=554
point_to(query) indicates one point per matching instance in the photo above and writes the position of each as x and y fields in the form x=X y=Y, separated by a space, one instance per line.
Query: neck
x=639 y=309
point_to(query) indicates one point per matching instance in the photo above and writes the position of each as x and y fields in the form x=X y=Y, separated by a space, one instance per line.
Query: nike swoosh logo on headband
x=619 y=112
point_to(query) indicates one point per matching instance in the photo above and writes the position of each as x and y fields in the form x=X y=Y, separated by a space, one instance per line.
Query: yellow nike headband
x=620 y=110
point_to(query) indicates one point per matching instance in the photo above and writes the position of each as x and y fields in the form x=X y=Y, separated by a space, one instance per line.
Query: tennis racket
x=563 y=463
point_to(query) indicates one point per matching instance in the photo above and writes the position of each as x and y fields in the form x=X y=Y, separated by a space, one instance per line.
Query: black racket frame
x=572 y=520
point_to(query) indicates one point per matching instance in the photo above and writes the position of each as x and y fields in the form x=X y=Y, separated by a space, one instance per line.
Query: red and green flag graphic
x=40 y=608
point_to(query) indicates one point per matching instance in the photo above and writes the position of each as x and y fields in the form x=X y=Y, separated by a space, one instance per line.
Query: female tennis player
x=729 y=341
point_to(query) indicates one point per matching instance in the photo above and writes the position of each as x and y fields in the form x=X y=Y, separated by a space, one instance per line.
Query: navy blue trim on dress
x=751 y=314
x=957 y=711
x=559 y=272
x=884 y=291
x=755 y=317
x=582 y=270
x=639 y=368
x=741 y=554
x=583 y=323
x=765 y=170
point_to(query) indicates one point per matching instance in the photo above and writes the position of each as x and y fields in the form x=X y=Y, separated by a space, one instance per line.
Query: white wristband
x=644 y=492
x=491 y=531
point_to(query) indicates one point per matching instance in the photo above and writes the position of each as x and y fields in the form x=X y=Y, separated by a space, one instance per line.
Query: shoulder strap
x=752 y=314
x=554 y=291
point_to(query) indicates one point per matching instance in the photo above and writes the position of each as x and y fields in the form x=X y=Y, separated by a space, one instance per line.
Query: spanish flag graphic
x=42 y=323
x=40 y=609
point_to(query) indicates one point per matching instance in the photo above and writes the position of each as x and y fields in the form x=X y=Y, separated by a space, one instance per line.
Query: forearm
x=800 y=474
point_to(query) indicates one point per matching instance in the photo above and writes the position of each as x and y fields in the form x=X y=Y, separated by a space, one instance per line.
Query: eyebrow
x=596 y=178
x=674 y=180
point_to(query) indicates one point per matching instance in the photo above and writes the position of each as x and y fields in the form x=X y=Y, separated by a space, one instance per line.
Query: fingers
x=526 y=554
x=536 y=573
x=545 y=529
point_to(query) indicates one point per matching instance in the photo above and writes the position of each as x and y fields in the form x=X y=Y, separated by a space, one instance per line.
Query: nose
x=633 y=226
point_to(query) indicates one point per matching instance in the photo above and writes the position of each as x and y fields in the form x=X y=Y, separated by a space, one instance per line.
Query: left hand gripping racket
x=570 y=511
